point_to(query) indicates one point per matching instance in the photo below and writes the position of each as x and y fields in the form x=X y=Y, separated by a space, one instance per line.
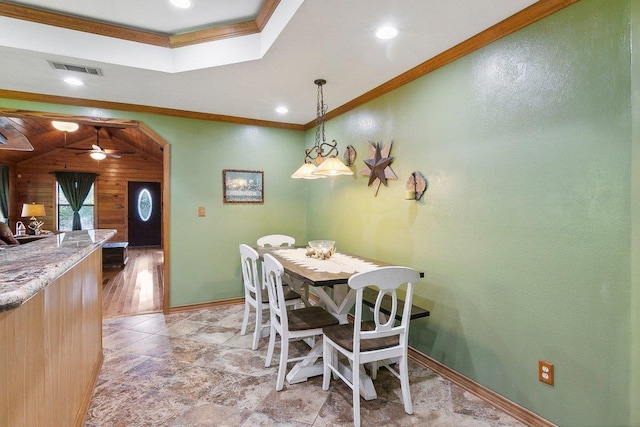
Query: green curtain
x=76 y=187
x=4 y=192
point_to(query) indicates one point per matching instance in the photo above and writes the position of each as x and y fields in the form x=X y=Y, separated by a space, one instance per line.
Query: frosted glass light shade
x=65 y=126
x=305 y=172
x=332 y=166
x=97 y=155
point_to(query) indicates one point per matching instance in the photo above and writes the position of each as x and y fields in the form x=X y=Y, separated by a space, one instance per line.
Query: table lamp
x=33 y=210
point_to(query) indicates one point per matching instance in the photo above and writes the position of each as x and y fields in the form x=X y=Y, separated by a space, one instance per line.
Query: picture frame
x=242 y=186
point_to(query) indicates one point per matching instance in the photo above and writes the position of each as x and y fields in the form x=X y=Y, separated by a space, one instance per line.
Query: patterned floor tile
x=194 y=369
x=210 y=414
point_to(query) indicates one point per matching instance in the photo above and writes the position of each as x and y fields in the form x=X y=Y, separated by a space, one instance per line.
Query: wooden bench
x=115 y=254
x=369 y=299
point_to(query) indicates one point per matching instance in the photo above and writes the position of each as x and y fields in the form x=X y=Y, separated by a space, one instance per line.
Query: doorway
x=137 y=287
x=145 y=214
x=142 y=139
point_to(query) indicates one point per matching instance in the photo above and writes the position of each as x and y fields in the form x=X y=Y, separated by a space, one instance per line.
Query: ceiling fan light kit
x=96 y=152
x=98 y=155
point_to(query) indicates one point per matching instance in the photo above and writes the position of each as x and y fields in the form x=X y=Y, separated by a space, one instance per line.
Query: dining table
x=328 y=278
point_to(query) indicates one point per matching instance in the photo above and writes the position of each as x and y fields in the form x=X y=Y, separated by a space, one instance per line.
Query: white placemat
x=336 y=264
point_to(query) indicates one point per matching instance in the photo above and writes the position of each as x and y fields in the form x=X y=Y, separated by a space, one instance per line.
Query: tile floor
x=195 y=369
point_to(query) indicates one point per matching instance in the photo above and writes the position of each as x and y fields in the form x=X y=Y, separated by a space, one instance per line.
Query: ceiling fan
x=98 y=153
x=12 y=139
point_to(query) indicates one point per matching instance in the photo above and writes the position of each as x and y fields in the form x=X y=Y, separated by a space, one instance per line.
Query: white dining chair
x=255 y=295
x=372 y=341
x=292 y=324
x=275 y=240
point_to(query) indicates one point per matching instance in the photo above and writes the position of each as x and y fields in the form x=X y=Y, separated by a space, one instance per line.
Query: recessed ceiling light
x=387 y=32
x=282 y=110
x=73 y=81
x=182 y=4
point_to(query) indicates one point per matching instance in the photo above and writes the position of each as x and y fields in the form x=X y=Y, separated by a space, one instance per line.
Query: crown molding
x=85 y=25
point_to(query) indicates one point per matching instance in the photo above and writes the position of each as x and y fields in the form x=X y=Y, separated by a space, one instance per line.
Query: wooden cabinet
x=51 y=350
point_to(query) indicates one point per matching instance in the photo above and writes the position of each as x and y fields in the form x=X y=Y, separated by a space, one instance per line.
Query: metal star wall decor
x=378 y=166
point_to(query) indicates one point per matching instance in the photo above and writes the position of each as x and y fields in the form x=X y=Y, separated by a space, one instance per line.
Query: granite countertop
x=27 y=269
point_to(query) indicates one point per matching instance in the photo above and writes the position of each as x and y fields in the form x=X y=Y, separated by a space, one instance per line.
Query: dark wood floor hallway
x=136 y=288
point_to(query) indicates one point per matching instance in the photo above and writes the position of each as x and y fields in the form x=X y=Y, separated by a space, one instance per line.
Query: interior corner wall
x=205 y=262
x=524 y=232
x=634 y=394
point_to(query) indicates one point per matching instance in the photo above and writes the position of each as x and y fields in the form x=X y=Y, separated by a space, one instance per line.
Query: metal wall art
x=415 y=187
x=349 y=155
x=378 y=166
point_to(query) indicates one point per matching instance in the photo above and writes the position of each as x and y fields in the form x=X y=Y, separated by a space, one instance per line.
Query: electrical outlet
x=200 y=210
x=545 y=372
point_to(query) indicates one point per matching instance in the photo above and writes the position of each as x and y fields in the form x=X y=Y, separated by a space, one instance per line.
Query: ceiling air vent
x=77 y=68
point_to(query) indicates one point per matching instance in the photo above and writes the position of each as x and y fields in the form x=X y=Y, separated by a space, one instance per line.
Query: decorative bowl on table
x=321 y=249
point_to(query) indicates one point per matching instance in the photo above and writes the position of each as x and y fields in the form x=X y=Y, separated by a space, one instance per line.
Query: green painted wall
x=528 y=233
x=525 y=231
x=204 y=251
x=634 y=374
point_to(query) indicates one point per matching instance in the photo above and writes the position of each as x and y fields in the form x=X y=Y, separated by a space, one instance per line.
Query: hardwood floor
x=136 y=288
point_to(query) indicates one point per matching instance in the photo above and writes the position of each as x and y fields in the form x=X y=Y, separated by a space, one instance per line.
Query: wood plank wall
x=34 y=181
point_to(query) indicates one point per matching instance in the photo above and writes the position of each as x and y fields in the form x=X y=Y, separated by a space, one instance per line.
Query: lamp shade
x=332 y=166
x=32 y=210
x=305 y=172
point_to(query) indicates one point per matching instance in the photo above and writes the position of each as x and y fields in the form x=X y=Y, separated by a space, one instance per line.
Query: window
x=144 y=205
x=65 y=213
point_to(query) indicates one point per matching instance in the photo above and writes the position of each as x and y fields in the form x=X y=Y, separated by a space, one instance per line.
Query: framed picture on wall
x=242 y=186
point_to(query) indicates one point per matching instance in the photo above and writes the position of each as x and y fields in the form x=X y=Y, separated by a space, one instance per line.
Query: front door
x=145 y=214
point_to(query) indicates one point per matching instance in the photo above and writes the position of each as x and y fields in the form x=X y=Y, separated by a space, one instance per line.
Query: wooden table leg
x=308 y=367
x=367 y=390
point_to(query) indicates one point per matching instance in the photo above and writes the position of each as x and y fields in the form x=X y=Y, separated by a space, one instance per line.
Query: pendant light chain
x=321 y=110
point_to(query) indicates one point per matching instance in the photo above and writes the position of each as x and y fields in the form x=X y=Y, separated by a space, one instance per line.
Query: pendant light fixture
x=321 y=160
x=65 y=127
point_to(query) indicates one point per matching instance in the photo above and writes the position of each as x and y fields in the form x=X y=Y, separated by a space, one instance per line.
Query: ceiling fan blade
x=110 y=151
x=12 y=139
x=113 y=156
x=96 y=147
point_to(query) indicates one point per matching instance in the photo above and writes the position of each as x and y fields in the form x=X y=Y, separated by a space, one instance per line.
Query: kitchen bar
x=50 y=328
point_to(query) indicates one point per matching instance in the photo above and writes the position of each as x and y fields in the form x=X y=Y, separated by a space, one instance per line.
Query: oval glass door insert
x=144 y=205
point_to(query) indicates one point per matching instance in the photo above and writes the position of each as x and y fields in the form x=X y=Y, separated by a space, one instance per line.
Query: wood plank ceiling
x=45 y=139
